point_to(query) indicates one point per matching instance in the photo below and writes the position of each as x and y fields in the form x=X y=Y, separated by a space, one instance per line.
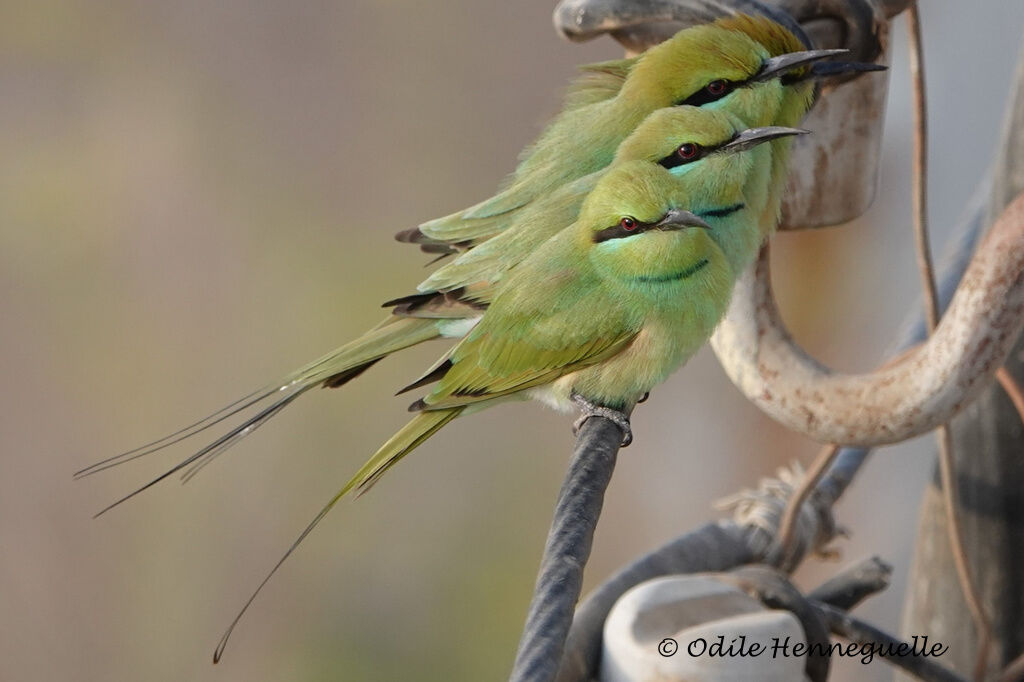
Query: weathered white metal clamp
x=833 y=180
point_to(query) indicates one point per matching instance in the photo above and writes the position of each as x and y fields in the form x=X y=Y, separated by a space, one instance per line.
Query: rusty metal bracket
x=919 y=391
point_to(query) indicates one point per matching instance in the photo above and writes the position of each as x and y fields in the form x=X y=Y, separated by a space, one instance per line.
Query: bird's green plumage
x=602 y=108
x=517 y=233
x=608 y=104
x=597 y=82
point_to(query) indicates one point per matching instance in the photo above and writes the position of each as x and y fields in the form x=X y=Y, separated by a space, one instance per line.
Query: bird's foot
x=590 y=409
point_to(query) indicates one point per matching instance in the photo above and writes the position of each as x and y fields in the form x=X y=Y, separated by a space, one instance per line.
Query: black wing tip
x=407 y=305
x=430 y=377
x=342 y=378
x=411 y=236
x=410 y=300
x=429 y=245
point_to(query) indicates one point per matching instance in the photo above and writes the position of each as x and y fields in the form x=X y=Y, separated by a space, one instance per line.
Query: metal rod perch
x=560 y=578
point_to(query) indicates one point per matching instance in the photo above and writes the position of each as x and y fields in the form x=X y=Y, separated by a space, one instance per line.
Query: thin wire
x=787 y=527
x=924 y=262
x=1012 y=389
x=1014 y=672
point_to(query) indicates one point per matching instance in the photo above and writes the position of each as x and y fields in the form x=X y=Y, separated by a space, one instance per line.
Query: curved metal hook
x=638 y=24
x=913 y=395
x=859 y=22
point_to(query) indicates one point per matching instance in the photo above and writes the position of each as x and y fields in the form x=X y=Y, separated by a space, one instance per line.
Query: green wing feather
x=528 y=340
x=523 y=368
x=485 y=265
x=598 y=83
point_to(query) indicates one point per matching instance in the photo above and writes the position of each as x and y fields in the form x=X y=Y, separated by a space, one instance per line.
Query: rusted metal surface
x=833 y=175
x=921 y=390
x=840 y=160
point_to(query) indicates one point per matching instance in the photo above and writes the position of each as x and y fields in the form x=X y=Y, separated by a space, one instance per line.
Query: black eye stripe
x=673 y=160
x=617 y=231
x=702 y=96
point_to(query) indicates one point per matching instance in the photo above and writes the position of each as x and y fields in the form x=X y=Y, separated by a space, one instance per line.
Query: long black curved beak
x=679 y=219
x=751 y=137
x=776 y=67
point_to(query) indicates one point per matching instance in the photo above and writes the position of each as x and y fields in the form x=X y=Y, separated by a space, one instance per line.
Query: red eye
x=716 y=87
x=688 y=151
x=628 y=223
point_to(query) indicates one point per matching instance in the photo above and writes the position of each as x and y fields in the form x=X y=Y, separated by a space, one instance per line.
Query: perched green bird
x=748 y=66
x=631 y=290
x=701 y=65
x=780 y=93
x=717 y=66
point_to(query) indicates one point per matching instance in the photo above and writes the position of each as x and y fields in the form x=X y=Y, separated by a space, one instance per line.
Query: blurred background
x=197 y=197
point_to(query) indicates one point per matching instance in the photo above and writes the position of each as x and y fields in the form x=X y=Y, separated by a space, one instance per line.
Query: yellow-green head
x=639 y=233
x=722 y=169
x=747 y=65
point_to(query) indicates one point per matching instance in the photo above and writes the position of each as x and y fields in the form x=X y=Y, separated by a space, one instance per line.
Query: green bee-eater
x=725 y=68
x=702 y=66
x=630 y=291
x=748 y=66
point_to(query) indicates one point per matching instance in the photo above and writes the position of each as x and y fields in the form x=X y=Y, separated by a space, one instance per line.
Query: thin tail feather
x=216 y=446
x=392 y=335
x=332 y=370
x=411 y=436
x=398 y=446
x=339 y=379
x=220 y=415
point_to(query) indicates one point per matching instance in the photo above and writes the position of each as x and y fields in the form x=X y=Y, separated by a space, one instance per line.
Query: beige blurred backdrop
x=197 y=197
